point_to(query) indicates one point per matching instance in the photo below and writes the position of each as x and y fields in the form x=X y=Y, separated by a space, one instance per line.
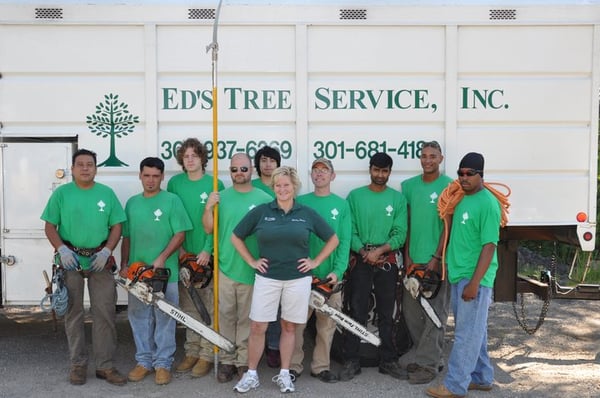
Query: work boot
x=350 y=369
x=187 y=364
x=201 y=368
x=225 y=373
x=138 y=373
x=421 y=376
x=162 y=376
x=393 y=369
x=112 y=376
x=441 y=392
x=480 y=387
x=325 y=376
x=78 y=375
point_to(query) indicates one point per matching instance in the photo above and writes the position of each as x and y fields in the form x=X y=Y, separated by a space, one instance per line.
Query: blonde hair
x=286 y=171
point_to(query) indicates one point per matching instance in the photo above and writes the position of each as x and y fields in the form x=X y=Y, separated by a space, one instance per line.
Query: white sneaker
x=246 y=383
x=285 y=383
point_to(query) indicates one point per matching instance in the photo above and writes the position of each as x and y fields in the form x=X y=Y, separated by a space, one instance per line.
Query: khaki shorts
x=269 y=293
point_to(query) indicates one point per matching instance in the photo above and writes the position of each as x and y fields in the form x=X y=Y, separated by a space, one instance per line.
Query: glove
x=184 y=276
x=68 y=258
x=99 y=259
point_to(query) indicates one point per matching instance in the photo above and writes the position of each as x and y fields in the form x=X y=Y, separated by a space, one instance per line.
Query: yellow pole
x=214 y=46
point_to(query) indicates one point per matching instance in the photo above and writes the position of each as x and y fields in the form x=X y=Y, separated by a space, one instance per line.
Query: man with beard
x=379 y=225
x=236 y=278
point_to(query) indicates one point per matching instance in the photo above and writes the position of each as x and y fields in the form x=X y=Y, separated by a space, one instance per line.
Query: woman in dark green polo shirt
x=282 y=229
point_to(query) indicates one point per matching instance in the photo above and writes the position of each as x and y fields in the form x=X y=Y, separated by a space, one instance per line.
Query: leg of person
x=296 y=366
x=265 y=302
x=103 y=301
x=74 y=327
x=294 y=307
x=141 y=320
x=205 y=363
x=482 y=377
x=429 y=354
x=164 y=338
x=227 y=327
x=321 y=360
x=360 y=283
x=384 y=283
x=244 y=300
x=470 y=329
x=191 y=346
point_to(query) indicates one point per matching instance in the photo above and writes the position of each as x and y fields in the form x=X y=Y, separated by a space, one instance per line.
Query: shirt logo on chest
x=465 y=217
x=157 y=214
x=389 y=209
x=433 y=197
x=101 y=205
x=203 y=197
x=334 y=213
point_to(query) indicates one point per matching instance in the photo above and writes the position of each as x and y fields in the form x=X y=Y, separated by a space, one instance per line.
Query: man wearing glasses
x=336 y=212
x=472 y=265
x=423 y=251
x=236 y=278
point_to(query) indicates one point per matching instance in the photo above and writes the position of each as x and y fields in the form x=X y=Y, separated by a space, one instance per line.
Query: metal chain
x=522 y=318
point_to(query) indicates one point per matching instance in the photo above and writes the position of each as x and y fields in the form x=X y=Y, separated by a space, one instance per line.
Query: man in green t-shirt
x=236 y=278
x=84 y=217
x=193 y=187
x=423 y=248
x=266 y=160
x=336 y=212
x=154 y=231
x=379 y=223
x=472 y=266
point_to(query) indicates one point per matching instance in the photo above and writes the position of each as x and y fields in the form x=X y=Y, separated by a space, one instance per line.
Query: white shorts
x=269 y=293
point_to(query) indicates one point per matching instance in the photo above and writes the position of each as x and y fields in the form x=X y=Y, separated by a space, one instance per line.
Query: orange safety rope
x=453 y=194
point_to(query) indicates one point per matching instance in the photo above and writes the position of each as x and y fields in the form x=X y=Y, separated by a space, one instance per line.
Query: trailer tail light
x=581 y=216
x=587 y=236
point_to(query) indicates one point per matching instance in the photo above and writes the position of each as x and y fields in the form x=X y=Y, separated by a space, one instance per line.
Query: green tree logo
x=112 y=119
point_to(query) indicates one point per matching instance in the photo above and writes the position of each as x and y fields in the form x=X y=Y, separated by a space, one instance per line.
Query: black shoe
x=421 y=376
x=393 y=369
x=350 y=369
x=325 y=376
x=295 y=373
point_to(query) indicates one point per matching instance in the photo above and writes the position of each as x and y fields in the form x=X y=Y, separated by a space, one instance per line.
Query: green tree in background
x=112 y=119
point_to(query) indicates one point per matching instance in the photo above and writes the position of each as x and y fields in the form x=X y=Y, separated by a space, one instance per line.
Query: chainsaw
x=143 y=284
x=423 y=285
x=320 y=292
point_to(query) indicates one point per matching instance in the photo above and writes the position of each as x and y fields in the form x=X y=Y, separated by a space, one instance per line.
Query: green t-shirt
x=377 y=217
x=194 y=194
x=426 y=226
x=83 y=217
x=336 y=212
x=233 y=206
x=283 y=238
x=476 y=222
x=151 y=224
x=257 y=183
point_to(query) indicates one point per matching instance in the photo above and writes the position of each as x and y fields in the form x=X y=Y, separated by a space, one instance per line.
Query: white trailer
x=518 y=83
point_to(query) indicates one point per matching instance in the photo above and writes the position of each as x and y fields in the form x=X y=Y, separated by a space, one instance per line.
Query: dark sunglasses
x=243 y=169
x=468 y=172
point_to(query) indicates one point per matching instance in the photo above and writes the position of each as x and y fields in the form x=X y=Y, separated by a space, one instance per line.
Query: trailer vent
x=201 y=13
x=353 y=14
x=48 y=13
x=503 y=14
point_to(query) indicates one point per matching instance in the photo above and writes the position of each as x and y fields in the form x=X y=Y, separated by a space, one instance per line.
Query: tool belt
x=389 y=258
x=85 y=252
x=111 y=264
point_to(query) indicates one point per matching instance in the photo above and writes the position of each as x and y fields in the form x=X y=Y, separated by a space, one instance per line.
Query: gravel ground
x=560 y=360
